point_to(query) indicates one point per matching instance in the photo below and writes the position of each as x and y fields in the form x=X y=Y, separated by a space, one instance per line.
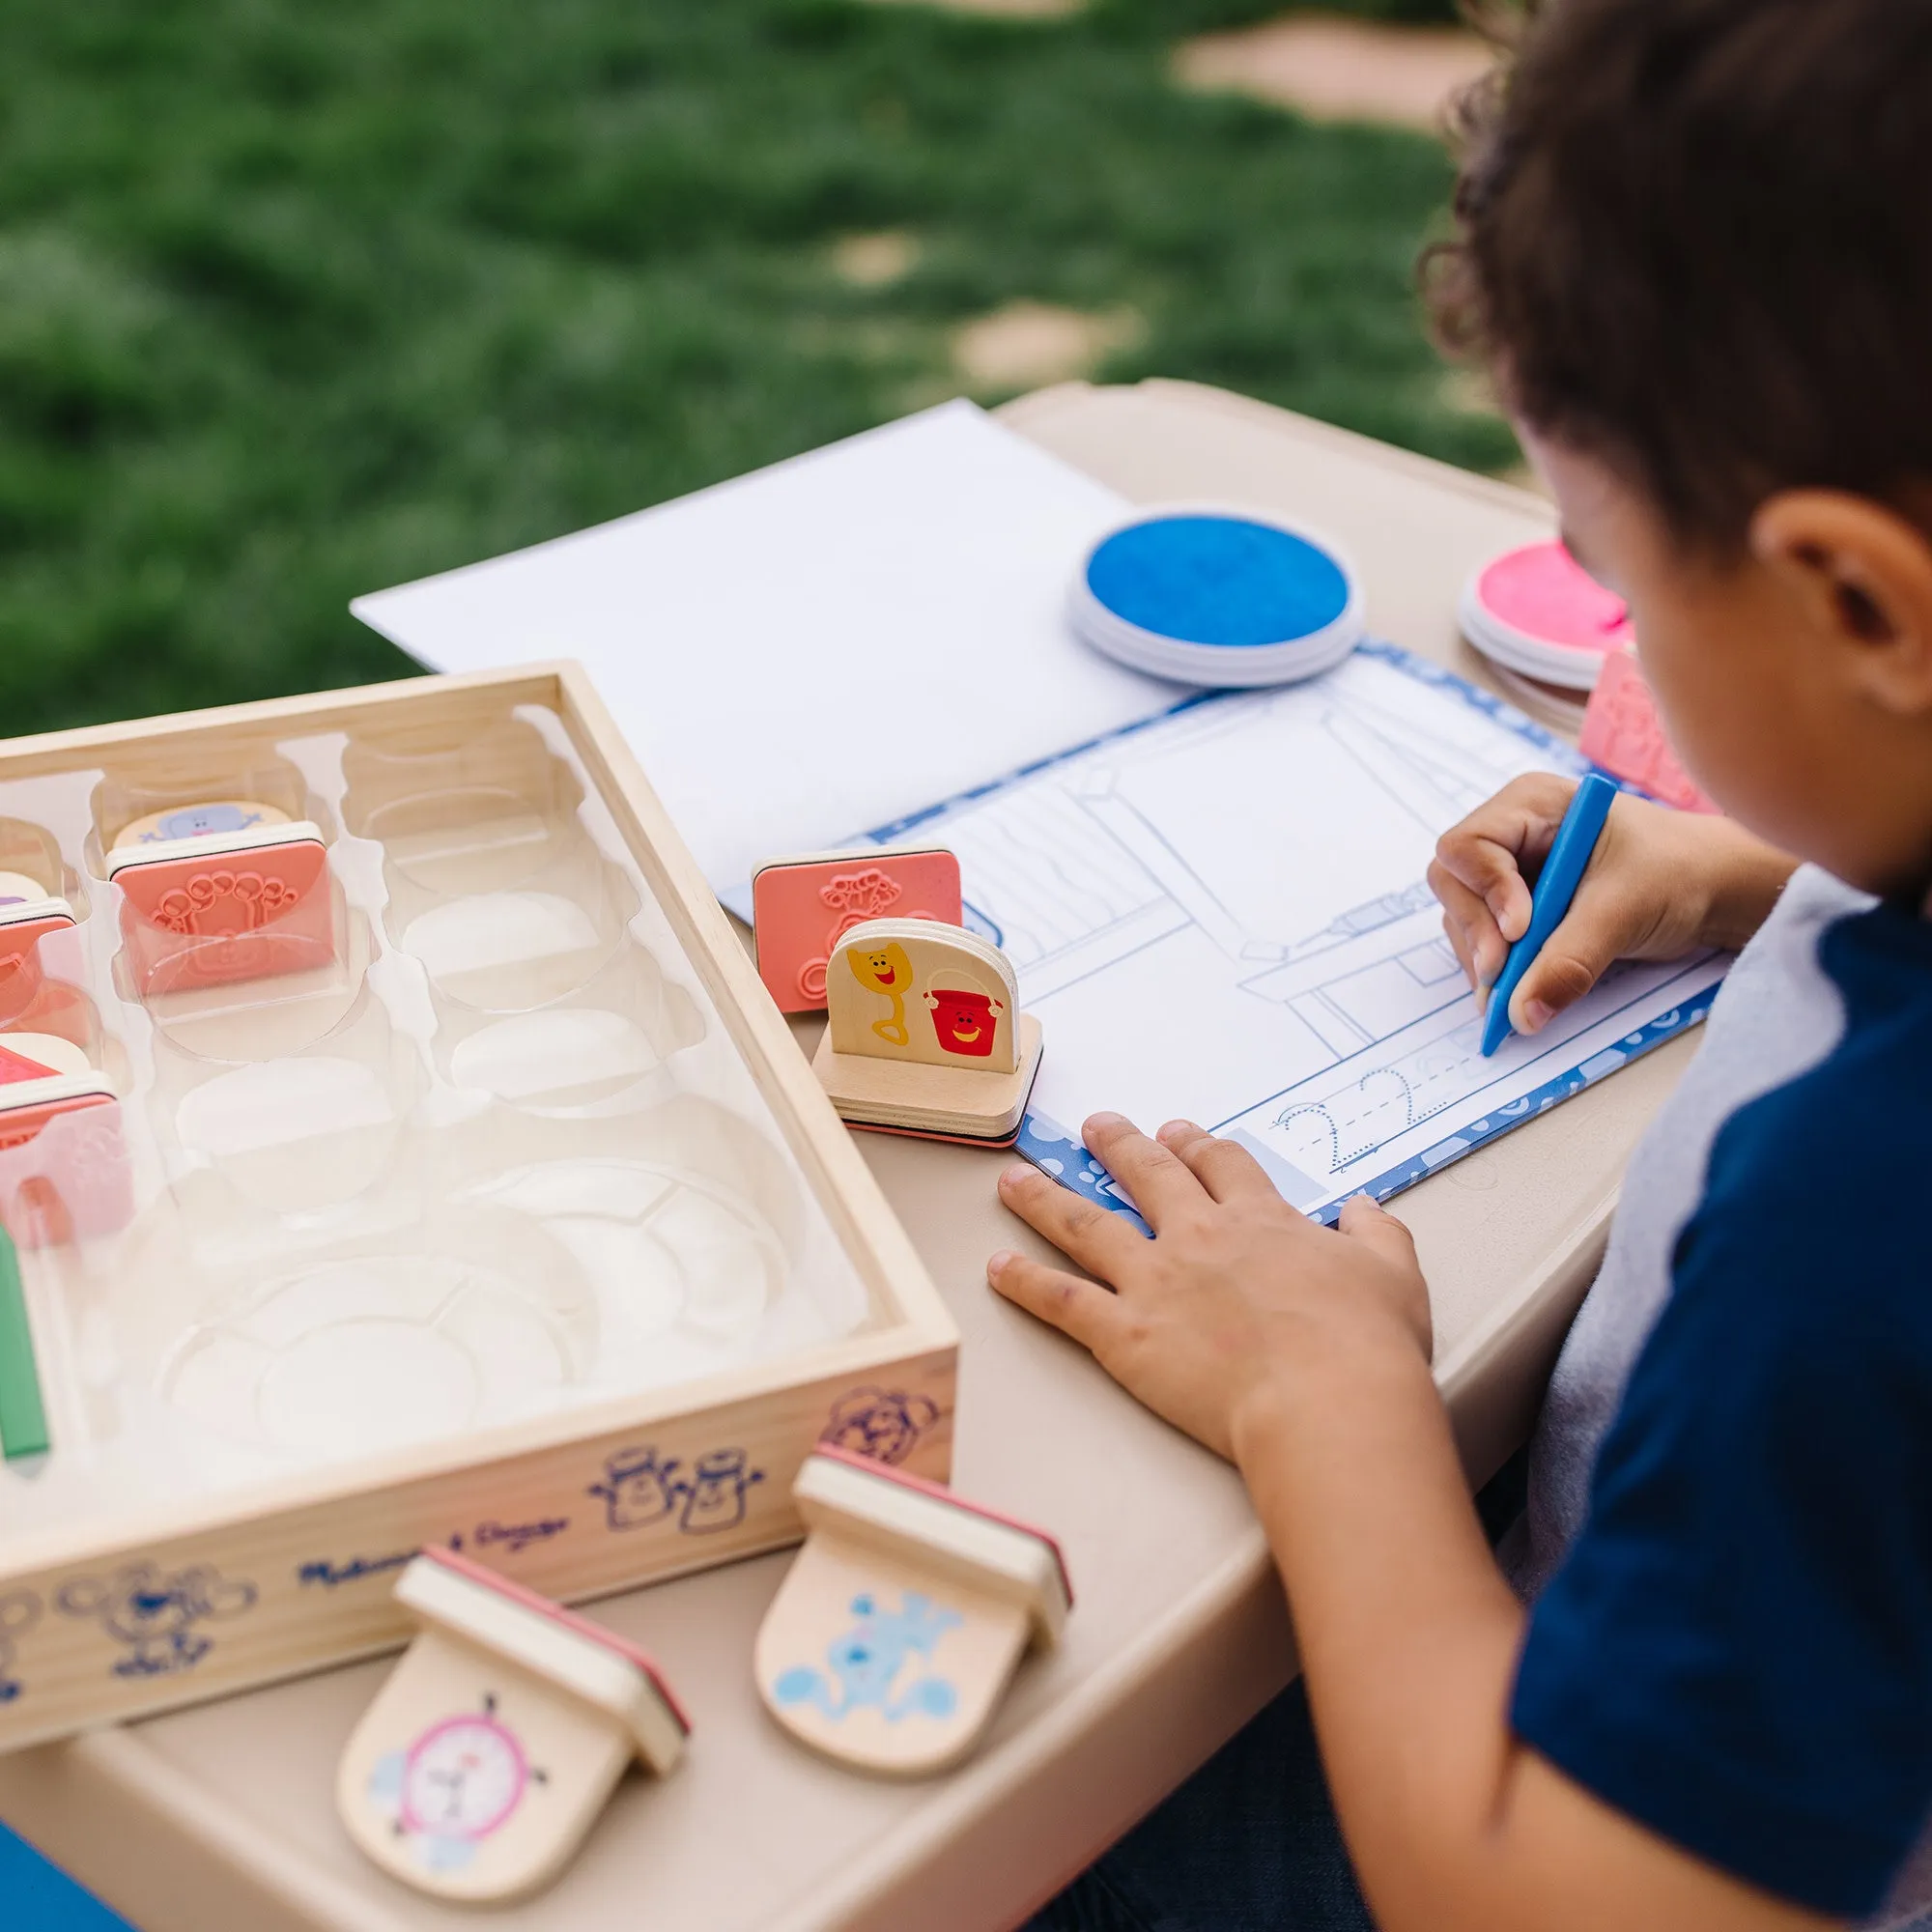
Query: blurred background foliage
x=301 y=301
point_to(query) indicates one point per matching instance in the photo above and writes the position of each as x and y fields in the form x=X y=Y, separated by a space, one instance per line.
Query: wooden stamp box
x=463 y=1188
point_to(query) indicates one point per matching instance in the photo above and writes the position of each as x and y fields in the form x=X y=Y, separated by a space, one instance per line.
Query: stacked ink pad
x=1217 y=597
x=1537 y=612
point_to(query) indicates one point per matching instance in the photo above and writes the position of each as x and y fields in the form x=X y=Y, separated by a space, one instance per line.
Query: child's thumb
x=1573 y=959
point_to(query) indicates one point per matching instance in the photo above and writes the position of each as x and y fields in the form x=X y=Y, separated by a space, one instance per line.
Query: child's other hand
x=1659 y=884
x=1210 y=1321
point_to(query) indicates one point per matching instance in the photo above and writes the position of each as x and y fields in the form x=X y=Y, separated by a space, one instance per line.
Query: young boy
x=1695 y=248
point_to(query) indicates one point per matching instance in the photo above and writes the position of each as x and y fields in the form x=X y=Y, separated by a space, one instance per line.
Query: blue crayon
x=1555 y=887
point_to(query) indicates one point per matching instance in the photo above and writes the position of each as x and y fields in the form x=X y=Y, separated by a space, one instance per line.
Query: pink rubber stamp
x=801 y=908
x=28 y=914
x=227 y=890
x=1624 y=734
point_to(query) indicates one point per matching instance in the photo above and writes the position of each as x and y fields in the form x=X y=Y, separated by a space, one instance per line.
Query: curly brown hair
x=1694 y=240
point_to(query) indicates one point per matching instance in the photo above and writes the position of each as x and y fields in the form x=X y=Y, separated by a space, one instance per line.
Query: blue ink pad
x=1217 y=597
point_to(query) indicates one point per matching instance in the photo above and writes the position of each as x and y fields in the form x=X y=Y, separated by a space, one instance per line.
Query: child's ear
x=1859 y=575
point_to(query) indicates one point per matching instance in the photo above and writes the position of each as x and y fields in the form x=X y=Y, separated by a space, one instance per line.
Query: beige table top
x=222 y=1816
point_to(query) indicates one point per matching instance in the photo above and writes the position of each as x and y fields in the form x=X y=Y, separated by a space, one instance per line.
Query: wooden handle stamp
x=28 y=914
x=899 y=1627
x=802 y=907
x=499 y=1737
x=62 y=1176
x=924 y=1033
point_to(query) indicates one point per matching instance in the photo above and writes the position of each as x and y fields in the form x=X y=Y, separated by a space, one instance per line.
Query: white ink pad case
x=1218 y=597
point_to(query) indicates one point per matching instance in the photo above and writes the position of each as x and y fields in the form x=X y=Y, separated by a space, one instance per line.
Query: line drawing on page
x=1222 y=914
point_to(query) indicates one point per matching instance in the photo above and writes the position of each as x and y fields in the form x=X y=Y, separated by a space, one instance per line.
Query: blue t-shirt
x=1734 y=1646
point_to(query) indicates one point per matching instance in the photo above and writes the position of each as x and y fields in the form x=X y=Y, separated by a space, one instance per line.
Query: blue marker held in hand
x=1555 y=887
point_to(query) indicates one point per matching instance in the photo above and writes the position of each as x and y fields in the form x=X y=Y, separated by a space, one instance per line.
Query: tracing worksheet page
x=1222 y=914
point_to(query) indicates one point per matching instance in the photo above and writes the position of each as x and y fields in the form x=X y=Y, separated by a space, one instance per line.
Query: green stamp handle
x=23 y=1416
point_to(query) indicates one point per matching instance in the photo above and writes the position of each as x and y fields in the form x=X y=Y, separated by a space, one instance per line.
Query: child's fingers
x=1363 y=1221
x=1225 y=1169
x=1075 y=1307
x=1367 y=1221
x=1470 y=928
x=1157 y=1180
x=1102 y=1242
x=1594 y=932
x=1489 y=850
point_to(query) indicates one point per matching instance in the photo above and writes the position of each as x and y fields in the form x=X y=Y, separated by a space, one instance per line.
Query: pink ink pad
x=1538 y=612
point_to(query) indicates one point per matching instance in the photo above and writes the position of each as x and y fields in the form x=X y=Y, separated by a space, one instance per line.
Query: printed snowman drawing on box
x=640 y=1487
x=719 y=1491
x=456 y=1784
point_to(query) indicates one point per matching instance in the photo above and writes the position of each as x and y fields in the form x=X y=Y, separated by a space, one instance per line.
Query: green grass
x=299 y=300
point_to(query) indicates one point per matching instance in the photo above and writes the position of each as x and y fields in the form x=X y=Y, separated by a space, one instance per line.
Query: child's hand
x=1660 y=883
x=1210 y=1321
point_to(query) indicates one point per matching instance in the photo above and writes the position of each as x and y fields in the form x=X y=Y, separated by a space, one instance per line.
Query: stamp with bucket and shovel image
x=926 y=1035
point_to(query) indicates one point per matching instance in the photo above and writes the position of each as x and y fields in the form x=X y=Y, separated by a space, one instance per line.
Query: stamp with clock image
x=495 y=1743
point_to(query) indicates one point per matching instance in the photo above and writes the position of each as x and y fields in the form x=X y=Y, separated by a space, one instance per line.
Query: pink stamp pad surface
x=1539 y=612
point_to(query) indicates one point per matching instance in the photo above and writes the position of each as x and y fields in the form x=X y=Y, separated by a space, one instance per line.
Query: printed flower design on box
x=884 y=1424
x=19 y=1613
x=153 y=1614
x=454 y=1785
x=866 y=1662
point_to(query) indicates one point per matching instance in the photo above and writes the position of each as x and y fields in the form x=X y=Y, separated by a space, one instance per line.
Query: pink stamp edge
x=939 y=1492
x=526 y=1598
x=791 y=904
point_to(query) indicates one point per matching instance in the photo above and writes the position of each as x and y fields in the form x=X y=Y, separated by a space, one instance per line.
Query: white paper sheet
x=830 y=643
x=1223 y=915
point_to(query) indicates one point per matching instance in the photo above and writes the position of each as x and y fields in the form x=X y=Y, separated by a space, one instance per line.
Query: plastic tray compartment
x=299 y=1131
x=479 y=813
x=610 y=1043
x=477 y=1196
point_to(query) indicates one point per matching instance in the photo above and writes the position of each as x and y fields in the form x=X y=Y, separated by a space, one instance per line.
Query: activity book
x=1222 y=913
